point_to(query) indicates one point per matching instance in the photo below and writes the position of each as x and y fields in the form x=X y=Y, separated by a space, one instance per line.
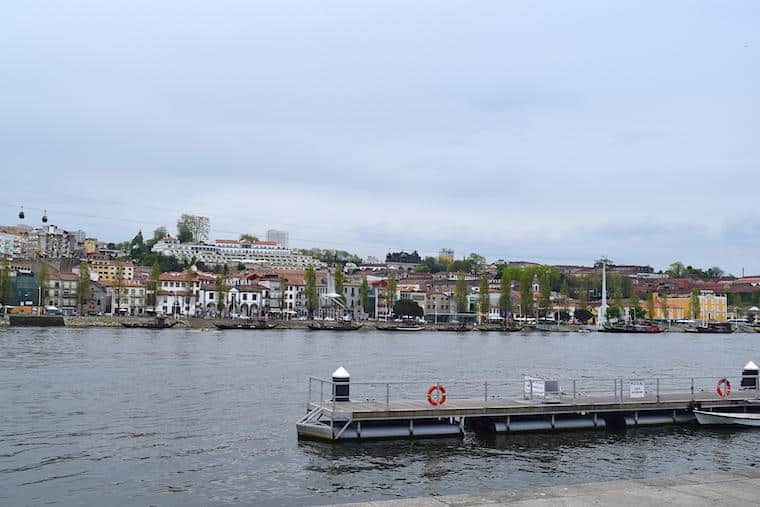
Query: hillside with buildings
x=193 y=276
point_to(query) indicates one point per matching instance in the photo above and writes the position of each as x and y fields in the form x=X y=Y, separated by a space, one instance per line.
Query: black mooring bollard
x=750 y=375
x=341 y=384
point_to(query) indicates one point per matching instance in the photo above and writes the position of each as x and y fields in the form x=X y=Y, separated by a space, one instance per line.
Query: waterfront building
x=62 y=292
x=107 y=269
x=97 y=303
x=279 y=237
x=127 y=299
x=712 y=307
x=176 y=294
x=439 y=306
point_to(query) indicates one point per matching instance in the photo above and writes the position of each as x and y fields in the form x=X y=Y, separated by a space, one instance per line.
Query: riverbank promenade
x=738 y=488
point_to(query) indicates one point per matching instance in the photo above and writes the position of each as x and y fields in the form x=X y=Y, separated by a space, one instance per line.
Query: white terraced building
x=230 y=251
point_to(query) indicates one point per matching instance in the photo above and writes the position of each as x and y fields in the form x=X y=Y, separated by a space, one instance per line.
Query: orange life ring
x=439 y=398
x=723 y=388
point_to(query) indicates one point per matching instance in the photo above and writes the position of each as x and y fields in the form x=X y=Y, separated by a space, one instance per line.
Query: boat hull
x=144 y=325
x=727 y=419
x=315 y=327
x=244 y=326
x=400 y=329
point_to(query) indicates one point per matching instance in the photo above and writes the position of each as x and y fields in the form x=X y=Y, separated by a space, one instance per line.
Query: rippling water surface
x=176 y=417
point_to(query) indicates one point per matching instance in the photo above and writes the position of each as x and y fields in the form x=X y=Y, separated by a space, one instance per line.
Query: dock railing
x=536 y=390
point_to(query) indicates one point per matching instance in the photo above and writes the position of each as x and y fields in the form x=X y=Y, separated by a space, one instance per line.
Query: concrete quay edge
x=737 y=488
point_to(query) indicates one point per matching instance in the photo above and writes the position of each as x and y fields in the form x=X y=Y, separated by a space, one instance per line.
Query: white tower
x=602 y=320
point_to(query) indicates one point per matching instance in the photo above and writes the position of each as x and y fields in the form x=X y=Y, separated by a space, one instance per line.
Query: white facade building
x=226 y=251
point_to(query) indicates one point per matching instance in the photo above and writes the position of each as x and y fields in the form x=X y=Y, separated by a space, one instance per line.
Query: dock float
x=339 y=409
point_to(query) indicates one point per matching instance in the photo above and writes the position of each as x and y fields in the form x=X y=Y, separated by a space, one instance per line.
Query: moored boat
x=335 y=326
x=631 y=328
x=486 y=328
x=401 y=328
x=260 y=324
x=454 y=328
x=36 y=320
x=157 y=323
x=727 y=418
x=716 y=328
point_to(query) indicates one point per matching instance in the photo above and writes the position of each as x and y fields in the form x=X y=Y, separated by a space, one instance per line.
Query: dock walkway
x=387 y=410
x=733 y=489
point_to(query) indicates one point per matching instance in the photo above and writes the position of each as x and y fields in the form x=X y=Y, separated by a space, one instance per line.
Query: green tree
x=617 y=297
x=694 y=304
x=526 y=293
x=582 y=315
x=546 y=292
x=282 y=282
x=340 y=282
x=137 y=243
x=407 y=308
x=118 y=285
x=431 y=265
x=159 y=233
x=635 y=308
x=664 y=307
x=460 y=294
x=477 y=262
x=613 y=312
x=583 y=296
x=151 y=293
x=184 y=234
x=676 y=270
x=650 y=304
x=190 y=286
x=220 y=288
x=390 y=292
x=43 y=277
x=505 y=296
x=564 y=296
x=249 y=237
x=192 y=228
x=310 y=291
x=83 y=286
x=6 y=283
x=484 y=298
x=364 y=294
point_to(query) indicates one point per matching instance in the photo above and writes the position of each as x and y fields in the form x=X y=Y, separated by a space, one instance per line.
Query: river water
x=184 y=417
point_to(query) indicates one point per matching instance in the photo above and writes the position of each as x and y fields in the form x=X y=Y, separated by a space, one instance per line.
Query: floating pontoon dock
x=402 y=409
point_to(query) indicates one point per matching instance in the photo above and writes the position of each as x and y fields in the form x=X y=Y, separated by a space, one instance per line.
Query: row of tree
x=472 y=264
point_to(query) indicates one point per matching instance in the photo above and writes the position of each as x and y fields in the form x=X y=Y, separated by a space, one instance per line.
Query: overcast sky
x=551 y=131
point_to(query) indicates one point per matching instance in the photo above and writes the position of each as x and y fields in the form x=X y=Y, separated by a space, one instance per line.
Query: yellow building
x=711 y=307
x=90 y=246
x=107 y=269
x=446 y=255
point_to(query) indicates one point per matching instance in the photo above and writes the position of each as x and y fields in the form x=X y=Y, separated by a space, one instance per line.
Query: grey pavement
x=737 y=488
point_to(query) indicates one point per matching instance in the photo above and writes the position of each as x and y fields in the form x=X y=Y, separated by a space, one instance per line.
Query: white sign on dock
x=638 y=389
x=534 y=387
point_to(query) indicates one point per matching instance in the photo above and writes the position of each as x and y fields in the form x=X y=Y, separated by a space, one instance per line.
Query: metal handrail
x=509 y=381
x=568 y=387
